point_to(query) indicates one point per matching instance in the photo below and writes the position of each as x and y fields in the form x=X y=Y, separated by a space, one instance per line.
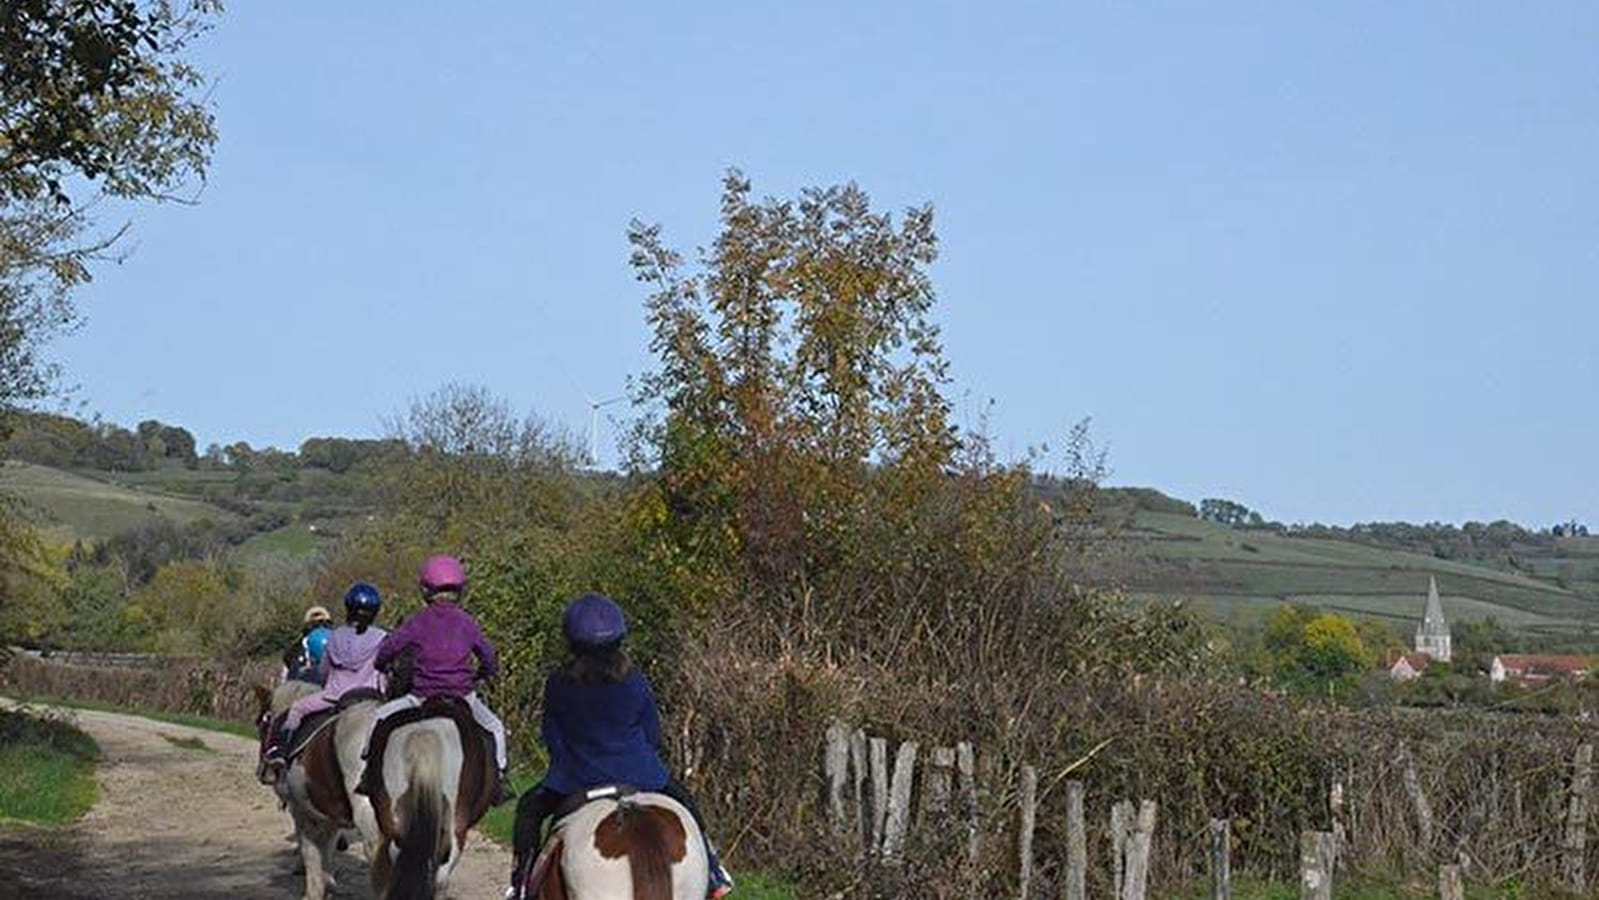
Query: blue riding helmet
x=363 y=596
x=593 y=621
x=316 y=644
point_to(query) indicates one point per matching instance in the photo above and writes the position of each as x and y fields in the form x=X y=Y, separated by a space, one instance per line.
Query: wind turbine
x=594 y=425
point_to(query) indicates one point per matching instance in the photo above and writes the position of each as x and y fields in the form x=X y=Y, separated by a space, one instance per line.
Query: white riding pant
x=480 y=714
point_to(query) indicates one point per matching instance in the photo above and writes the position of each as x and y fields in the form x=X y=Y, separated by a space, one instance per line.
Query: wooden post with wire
x=1076 y=887
x=1028 y=803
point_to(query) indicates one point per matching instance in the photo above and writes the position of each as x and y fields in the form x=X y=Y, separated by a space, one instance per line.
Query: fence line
x=870 y=801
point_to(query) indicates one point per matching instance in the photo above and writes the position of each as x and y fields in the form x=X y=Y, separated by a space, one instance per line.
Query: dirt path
x=177 y=820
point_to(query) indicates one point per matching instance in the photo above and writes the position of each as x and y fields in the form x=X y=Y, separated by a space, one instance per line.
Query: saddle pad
x=313 y=725
x=322 y=718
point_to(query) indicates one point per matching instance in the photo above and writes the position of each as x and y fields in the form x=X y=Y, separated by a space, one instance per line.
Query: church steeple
x=1432 y=635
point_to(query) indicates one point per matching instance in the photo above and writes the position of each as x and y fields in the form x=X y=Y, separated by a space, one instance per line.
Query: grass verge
x=46 y=769
x=227 y=726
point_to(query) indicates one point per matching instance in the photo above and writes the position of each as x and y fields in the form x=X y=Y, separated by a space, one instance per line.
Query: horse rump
x=652 y=838
x=422 y=813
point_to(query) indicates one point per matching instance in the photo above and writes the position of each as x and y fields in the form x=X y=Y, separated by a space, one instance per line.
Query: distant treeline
x=64 y=442
x=68 y=443
x=1498 y=542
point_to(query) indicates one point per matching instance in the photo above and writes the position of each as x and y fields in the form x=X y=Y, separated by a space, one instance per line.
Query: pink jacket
x=348 y=661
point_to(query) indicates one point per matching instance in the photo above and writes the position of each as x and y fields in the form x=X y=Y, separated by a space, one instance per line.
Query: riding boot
x=502 y=792
x=272 y=765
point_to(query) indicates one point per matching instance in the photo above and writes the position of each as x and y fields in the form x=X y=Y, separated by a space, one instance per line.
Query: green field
x=1241 y=575
x=68 y=506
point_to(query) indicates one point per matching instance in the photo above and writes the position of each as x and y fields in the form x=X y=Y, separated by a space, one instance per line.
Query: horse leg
x=315 y=845
x=382 y=868
x=457 y=839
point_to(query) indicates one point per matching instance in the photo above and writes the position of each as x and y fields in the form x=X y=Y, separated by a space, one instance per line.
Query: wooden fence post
x=1340 y=828
x=1315 y=865
x=1450 y=885
x=879 y=753
x=1221 y=859
x=899 y=801
x=1029 y=813
x=860 y=768
x=966 y=771
x=1139 y=844
x=836 y=766
x=1076 y=844
x=936 y=781
x=1418 y=798
x=1574 y=846
x=1121 y=827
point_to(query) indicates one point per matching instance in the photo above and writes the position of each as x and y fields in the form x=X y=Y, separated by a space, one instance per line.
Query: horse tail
x=647 y=858
x=422 y=809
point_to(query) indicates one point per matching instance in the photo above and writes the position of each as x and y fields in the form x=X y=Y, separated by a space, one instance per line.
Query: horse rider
x=601 y=727
x=347 y=664
x=444 y=638
x=301 y=659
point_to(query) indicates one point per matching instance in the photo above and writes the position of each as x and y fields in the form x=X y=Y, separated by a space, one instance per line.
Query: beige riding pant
x=480 y=713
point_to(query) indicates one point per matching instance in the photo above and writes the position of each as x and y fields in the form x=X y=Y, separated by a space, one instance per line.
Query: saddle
x=453 y=708
x=317 y=722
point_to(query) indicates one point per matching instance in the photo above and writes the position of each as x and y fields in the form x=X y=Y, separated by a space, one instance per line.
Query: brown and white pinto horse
x=318 y=787
x=437 y=779
x=642 y=846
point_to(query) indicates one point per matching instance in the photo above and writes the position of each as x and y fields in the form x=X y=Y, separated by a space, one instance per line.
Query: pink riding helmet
x=442 y=573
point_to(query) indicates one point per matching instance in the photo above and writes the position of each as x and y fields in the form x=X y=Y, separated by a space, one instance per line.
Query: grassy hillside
x=1243 y=574
x=69 y=506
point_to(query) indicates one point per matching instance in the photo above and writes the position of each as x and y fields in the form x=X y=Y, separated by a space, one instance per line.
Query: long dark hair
x=361 y=617
x=597 y=665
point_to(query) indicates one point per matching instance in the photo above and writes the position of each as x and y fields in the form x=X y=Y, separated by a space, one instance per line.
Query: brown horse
x=644 y=846
x=318 y=787
x=436 y=779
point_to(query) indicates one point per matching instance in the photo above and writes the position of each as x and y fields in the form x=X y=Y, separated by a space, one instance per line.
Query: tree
x=797 y=359
x=1226 y=512
x=96 y=101
x=1305 y=643
x=461 y=461
x=1333 y=648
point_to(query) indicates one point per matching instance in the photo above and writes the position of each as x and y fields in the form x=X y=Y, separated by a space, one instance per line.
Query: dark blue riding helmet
x=363 y=596
x=593 y=621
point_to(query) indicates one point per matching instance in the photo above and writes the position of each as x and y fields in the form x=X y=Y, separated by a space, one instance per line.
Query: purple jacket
x=349 y=660
x=445 y=637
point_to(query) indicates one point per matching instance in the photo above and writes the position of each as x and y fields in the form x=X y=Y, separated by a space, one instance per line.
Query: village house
x=1405 y=666
x=1529 y=669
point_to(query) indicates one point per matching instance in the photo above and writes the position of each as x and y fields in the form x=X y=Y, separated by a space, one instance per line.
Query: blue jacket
x=602 y=734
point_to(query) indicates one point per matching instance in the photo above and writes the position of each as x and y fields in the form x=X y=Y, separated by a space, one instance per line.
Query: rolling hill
x=1242 y=574
x=1157 y=550
x=68 y=506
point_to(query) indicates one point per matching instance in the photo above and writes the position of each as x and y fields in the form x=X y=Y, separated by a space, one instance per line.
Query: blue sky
x=1337 y=264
